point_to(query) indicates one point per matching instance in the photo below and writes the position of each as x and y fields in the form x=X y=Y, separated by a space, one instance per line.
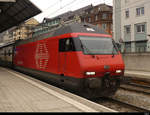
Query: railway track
x=138 y=85
x=122 y=106
x=118 y=105
x=131 y=85
x=136 y=88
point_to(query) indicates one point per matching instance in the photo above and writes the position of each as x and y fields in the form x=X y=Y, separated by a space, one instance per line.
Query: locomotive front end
x=102 y=65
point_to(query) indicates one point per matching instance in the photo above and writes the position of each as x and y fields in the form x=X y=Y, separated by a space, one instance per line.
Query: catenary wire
x=62 y=8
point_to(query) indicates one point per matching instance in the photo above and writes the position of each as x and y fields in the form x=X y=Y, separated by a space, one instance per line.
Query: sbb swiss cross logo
x=42 y=55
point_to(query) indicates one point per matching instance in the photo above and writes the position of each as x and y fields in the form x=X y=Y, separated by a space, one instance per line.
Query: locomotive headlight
x=118 y=71
x=90 y=73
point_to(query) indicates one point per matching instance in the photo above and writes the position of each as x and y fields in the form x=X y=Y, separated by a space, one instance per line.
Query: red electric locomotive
x=79 y=56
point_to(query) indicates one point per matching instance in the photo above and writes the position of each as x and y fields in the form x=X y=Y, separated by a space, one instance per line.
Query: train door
x=65 y=46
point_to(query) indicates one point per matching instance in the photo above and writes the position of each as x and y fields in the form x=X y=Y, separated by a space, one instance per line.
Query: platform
x=138 y=74
x=21 y=93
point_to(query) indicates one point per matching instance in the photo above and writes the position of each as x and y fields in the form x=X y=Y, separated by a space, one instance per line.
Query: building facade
x=7 y=36
x=70 y=15
x=132 y=24
x=100 y=15
x=24 y=30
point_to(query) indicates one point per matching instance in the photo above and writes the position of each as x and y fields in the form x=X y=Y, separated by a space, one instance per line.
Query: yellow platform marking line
x=60 y=96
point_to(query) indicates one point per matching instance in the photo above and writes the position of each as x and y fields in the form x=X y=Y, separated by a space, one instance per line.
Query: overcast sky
x=52 y=8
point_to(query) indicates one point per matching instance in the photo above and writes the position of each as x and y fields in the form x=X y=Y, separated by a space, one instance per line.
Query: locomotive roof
x=70 y=28
x=79 y=28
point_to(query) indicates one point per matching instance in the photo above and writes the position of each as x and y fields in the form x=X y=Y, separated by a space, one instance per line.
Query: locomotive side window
x=66 y=45
x=62 y=45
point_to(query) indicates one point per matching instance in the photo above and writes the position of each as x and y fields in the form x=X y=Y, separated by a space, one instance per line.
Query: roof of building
x=70 y=14
x=80 y=12
x=104 y=7
x=13 y=13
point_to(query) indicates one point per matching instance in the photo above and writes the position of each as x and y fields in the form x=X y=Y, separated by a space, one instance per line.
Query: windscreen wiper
x=84 y=47
x=113 y=53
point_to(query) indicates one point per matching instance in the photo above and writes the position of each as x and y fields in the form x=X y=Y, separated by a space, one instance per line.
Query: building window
x=111 y=27
x=92 y=11
x=128 y=47
x=97 y=25
x=127 y=13
x=99 y=9
x=96 y=18
x=104 y=16
x=128 y=29
x=104 y=26
x=84 y=19
x=140 y=28
x=141 y=46
x=90 y=20
x=140 y=11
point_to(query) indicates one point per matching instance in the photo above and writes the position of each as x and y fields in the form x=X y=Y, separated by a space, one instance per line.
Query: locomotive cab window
x=98 y=46
x=66 y=45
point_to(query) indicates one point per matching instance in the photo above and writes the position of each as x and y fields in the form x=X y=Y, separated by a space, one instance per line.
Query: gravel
x=116 y=107
x=137 y=99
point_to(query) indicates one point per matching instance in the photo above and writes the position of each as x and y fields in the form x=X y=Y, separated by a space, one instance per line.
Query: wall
x=137 y=61
x=117 y=20
x=120 y=21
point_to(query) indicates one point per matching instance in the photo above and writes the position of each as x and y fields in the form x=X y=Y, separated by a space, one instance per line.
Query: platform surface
x=21 y=93
x=138 y=74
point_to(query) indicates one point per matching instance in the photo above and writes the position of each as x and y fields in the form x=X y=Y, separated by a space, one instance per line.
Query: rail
x=139 y=85
x=119 y=105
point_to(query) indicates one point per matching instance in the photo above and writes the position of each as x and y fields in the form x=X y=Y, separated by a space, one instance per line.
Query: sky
x=52 y=8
